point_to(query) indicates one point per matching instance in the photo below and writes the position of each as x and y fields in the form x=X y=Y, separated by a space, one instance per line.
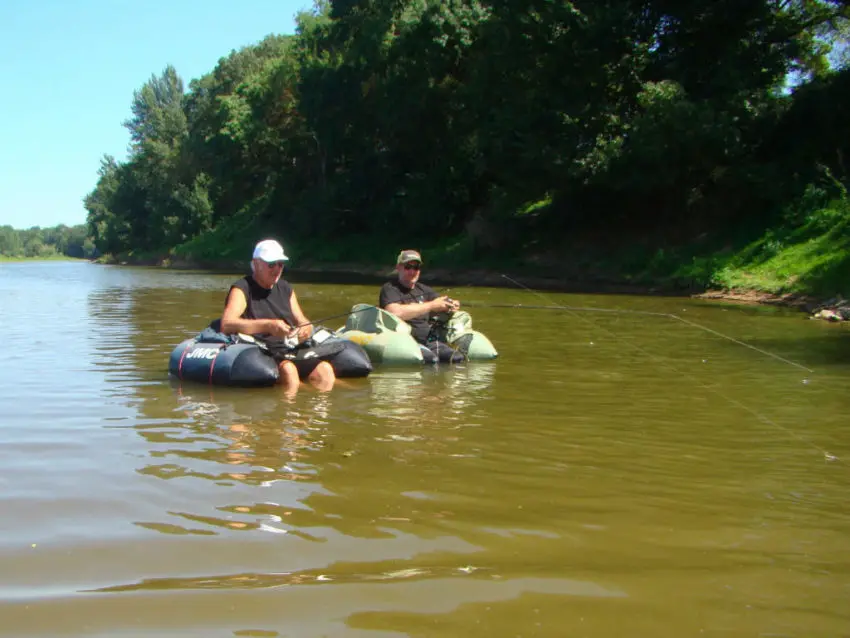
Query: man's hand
x=304 y=332
x=279 y=328
x=444 y=304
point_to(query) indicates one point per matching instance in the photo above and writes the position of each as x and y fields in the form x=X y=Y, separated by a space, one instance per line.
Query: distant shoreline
x=9 y=260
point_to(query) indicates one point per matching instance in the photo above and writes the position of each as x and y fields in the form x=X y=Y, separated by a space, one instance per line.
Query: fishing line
x=741 y=343
x=826 y=455
x=662 y=314
x=520 y=306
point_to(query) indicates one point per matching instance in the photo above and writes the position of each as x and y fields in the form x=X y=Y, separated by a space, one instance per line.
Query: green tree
x=158 y=115
x=425 y=118
x=10 y=242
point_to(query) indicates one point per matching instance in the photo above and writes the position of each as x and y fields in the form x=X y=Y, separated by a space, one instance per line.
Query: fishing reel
x=444 y=316
x=319 y=335
x=440 y=318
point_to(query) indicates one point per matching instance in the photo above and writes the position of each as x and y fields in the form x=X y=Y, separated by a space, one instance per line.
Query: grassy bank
x=805 y=255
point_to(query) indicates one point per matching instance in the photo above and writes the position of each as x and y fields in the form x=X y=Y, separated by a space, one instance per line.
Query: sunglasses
x=413 y=266
x=274 y=264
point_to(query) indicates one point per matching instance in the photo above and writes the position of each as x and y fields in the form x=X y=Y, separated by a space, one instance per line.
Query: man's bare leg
x=288 y=377
x=322 y=377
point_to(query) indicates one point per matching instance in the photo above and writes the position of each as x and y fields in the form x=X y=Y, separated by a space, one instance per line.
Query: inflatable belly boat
x=239 y=360
x=387 y=339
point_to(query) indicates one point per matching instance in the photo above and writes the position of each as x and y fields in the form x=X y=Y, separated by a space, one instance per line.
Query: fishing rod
x=342 y=314
x=521 y=306
x=263 y=346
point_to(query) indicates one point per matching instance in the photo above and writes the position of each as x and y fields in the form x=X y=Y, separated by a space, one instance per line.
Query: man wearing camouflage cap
x=410 y=300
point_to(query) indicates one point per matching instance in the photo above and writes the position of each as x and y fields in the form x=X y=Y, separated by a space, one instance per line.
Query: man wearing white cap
x=264 y=305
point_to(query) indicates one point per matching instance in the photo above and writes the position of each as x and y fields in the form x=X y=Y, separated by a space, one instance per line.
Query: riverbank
x=801 y=261
x=453 y=279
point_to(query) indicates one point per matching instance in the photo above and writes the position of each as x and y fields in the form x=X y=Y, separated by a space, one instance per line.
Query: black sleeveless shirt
x=264 y=303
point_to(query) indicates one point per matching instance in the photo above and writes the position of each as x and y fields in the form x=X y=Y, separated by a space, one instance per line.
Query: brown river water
x=611 y=474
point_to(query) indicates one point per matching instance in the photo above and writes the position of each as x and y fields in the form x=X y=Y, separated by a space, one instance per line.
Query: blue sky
x=69 y=71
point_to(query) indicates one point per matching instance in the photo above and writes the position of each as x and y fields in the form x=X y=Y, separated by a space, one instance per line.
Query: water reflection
x=260 y=437
x=313 y=465
x=422 y=395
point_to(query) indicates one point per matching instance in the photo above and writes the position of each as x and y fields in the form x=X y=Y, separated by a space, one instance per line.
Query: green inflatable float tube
x=387 y=339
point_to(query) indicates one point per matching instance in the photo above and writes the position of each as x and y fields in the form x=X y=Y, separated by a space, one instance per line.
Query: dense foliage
x=487 y=127
x=68 y=241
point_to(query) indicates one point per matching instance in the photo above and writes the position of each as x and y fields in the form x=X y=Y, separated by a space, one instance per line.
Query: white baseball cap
x=269 y=251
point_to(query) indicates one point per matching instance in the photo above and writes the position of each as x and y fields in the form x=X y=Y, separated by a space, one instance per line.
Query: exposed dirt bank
x=791 y=300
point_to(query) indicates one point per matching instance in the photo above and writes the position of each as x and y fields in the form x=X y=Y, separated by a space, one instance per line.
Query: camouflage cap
x=408 y=255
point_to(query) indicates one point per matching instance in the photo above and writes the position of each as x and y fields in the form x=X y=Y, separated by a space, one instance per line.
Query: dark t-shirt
x=394 y=292
x=266 y=304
